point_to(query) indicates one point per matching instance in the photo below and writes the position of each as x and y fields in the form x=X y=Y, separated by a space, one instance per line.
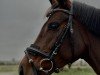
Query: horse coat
x=88 y=15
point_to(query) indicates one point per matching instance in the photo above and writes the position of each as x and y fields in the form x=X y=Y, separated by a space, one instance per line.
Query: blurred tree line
x=13 y=61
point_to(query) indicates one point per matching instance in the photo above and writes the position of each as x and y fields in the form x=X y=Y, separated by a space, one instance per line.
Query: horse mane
x=88 y=16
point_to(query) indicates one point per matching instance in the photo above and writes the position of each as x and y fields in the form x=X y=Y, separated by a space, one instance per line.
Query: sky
x=20 y=23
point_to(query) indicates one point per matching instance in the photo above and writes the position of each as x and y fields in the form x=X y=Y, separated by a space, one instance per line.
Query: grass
x=77 y=71
x=13 y=70
x=8 y=68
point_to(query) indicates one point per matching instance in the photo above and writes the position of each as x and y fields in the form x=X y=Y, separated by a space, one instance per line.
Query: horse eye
x=53 y=25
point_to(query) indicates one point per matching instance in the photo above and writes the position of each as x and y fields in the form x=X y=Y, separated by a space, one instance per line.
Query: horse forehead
x=58 y=17
x=51 y=11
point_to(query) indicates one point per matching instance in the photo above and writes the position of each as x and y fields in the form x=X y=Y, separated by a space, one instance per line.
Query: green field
x=77 y=71
x=13 y=70
x=8 y=69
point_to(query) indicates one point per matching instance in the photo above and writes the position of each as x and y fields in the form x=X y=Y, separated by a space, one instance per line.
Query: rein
x=54 y=50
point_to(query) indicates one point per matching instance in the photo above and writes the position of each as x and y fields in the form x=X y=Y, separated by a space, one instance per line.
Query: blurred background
x=20 y=23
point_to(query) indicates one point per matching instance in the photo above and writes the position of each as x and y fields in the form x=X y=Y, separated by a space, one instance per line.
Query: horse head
x=59 y=43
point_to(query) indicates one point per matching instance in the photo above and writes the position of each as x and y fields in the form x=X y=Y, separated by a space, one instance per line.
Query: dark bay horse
x=71 y=32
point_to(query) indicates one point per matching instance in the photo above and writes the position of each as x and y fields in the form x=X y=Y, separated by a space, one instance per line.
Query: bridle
x=54 y=50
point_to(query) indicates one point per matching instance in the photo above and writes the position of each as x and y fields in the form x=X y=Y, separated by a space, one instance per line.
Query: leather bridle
x=54 y=50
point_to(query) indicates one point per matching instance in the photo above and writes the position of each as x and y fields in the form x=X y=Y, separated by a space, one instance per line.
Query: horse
x=68 y=35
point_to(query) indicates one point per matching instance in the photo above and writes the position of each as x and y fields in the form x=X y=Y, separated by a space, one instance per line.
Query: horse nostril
x=21 y=72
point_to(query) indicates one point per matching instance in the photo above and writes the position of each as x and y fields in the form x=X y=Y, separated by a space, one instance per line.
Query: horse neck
x=84 y=44
x=93 y=56
x=88 y=46
x=80 y=39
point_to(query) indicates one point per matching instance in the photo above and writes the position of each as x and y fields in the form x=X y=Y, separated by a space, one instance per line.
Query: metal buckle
x=41 y=66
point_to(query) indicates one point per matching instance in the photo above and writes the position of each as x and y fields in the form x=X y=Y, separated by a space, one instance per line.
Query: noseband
x=49 y=57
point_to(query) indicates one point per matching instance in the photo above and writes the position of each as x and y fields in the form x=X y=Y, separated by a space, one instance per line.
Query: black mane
x=87 y=15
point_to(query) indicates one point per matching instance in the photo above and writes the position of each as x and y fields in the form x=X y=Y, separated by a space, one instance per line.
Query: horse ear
x=50 y=1
x=61 y=2
x=64 y=3
x=53 y=2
